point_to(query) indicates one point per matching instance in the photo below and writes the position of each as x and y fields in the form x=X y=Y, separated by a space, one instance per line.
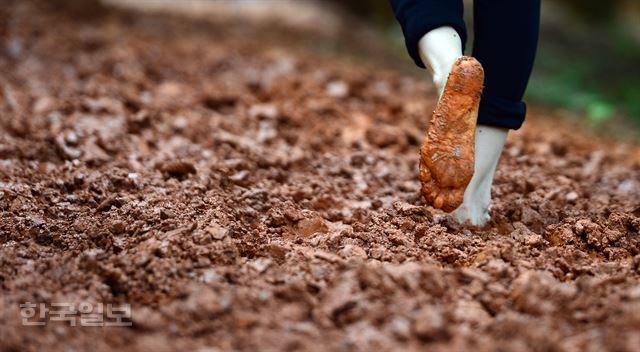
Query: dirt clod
x=177 y=168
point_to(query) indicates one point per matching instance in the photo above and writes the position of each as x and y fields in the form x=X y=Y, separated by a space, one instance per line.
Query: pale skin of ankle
x=477 y=197
x=439 y=49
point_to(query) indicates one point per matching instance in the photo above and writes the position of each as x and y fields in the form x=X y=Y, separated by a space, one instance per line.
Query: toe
x=439 y=201
x=452 y=198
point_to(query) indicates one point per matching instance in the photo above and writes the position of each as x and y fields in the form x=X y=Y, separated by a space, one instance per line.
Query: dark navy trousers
x=505 y=41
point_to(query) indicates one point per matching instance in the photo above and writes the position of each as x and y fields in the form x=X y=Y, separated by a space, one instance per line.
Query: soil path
x=246 y=196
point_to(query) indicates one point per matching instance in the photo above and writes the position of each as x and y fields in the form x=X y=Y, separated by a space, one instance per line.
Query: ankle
x=439 y=49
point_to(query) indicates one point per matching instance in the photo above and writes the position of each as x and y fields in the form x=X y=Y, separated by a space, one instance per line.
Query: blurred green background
x=587 y=61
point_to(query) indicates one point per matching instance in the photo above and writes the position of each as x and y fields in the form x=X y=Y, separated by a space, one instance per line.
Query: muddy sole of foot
x=448 y=151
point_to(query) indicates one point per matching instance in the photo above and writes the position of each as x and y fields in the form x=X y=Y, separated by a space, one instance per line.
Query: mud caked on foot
x=448 y=151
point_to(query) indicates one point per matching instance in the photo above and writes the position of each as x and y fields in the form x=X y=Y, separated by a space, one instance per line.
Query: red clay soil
x=242 y=195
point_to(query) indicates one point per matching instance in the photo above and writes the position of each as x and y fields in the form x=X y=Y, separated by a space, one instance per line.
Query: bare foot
x=447 y=153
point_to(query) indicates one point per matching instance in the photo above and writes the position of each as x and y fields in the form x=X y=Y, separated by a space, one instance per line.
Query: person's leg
x=489 y=141
x=506 y=37
x=439 y=49
x=505 y=42
x=419 y=17
x=435 y=34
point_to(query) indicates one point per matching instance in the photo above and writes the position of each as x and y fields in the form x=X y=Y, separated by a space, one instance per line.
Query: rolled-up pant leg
x=505 y=42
